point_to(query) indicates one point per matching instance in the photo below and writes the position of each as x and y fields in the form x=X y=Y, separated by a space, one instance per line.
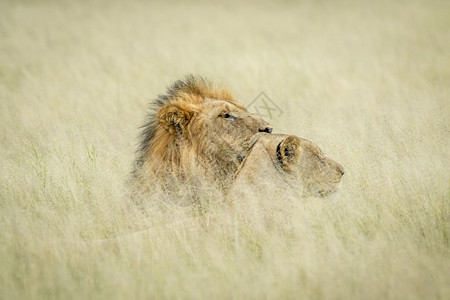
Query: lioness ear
x=175 y=118
x=288 y=151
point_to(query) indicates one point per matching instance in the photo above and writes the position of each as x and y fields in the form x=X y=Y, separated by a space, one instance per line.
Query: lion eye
x=227 y=115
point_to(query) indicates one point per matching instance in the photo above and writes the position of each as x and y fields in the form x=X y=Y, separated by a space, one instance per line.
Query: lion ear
x=175 y=118
x=288 y=151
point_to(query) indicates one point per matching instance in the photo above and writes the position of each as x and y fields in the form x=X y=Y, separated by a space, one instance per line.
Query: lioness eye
x=226 y=115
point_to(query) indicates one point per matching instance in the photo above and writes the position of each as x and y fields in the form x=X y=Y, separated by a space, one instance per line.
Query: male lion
x=195 y=129
x=285 y=162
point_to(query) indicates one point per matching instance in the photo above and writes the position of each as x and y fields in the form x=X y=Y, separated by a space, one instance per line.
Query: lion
x=196 y=128
x=286 y=162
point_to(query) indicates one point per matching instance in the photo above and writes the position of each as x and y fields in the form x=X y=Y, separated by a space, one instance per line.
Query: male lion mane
x=181 y=102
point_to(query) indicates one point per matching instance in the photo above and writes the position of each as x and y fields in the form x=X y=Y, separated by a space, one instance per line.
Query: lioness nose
x=341 y=170
x=266 y=129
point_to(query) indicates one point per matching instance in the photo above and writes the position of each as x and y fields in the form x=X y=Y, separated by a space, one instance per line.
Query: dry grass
x=367 y=81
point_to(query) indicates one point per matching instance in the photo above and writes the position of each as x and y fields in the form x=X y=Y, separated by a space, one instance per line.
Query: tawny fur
x=287 y=163
x=195 y=130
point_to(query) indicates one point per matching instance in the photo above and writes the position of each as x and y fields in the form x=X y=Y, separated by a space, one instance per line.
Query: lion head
x=196 y=125
x=289 y=161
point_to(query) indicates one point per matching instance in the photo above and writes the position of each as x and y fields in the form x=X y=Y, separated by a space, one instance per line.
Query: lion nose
x=266 y=129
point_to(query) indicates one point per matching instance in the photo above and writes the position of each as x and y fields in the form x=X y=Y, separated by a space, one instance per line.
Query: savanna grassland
x=368 y=81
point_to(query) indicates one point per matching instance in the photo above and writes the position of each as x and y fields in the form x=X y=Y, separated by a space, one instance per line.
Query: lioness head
x=288 y=160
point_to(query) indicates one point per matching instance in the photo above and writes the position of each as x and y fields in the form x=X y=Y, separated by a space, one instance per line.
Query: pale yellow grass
x=369 y=82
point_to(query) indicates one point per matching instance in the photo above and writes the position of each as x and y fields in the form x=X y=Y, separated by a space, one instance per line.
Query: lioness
x=279 y=162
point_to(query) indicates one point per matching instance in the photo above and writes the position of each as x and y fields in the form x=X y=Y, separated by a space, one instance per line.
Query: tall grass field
x=367 y=81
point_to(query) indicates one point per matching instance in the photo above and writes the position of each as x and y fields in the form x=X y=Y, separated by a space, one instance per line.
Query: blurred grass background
x=369 y=82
